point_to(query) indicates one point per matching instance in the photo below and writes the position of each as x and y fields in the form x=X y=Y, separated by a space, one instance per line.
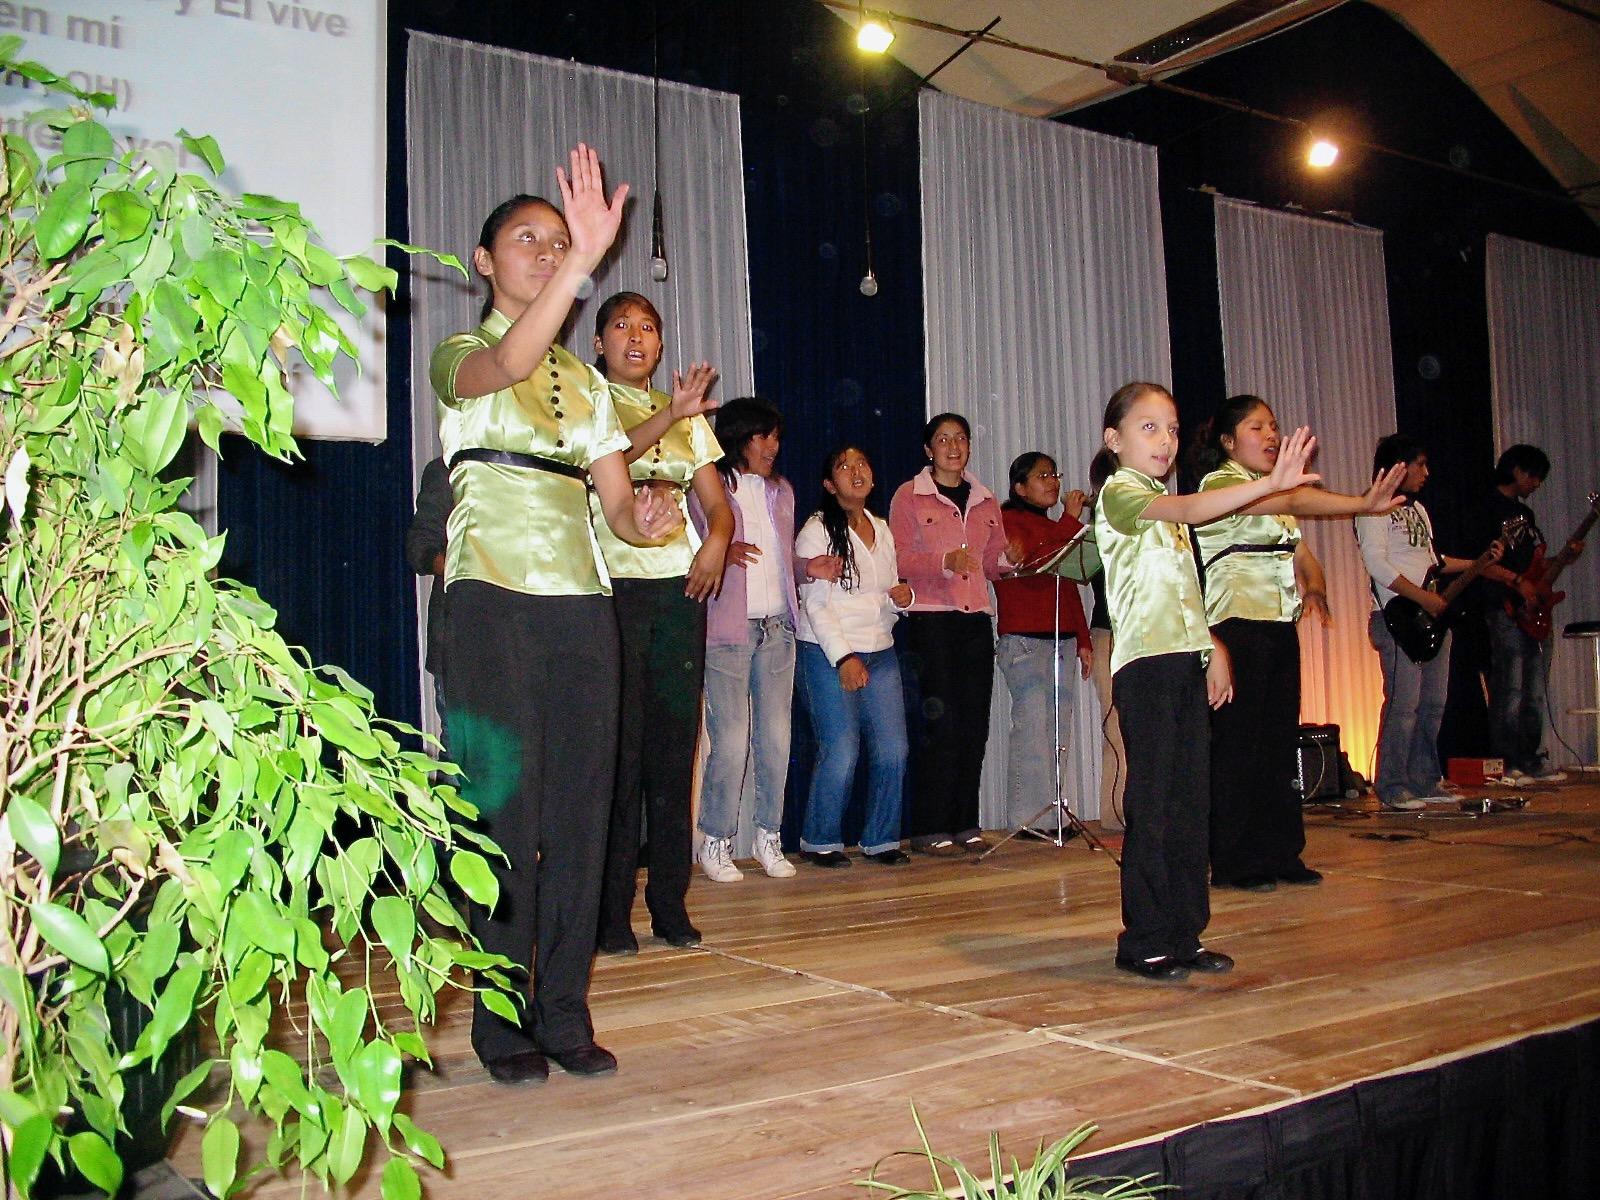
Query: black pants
x=1256 y=823
x=533 y=725
x=663 y=635
x=950 y=659
x=1165 y=902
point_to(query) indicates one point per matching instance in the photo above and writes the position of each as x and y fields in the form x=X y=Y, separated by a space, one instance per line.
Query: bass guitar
x=1421 y=635
x=1533 y=616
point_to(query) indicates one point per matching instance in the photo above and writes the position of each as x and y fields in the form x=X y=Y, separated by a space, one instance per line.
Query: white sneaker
x=1550 y=775
x=716 y=860
x=769 y=853
x=1514 y=779
x=1403 y=801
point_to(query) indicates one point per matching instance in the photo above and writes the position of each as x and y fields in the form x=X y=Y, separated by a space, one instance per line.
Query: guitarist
x=1398 y=551
x=1518 y=663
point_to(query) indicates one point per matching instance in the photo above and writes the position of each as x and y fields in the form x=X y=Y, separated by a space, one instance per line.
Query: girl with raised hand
x=660 y=593
x=525 y=427
x=1260 y=577
x=849 y=677
x=1166 y=670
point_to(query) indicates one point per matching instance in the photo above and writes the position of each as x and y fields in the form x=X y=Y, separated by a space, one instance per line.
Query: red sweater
x=1025 y=602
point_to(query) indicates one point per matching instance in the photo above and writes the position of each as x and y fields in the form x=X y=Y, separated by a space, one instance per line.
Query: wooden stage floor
x=780 y=1059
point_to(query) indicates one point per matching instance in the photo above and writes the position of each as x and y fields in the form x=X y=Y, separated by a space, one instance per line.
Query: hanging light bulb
x=658 y=245
x=874 y=36
x=658 y=237
x=868 y=284
x=1322 y=153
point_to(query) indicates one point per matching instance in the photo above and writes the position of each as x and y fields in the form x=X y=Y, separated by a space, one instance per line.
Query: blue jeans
x=1026 y=664
x=1518 y=667
x=840 y=719
x=1413 y=706
x=749 y=691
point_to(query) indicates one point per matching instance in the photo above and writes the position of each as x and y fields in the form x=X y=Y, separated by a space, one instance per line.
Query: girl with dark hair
x=1166 y=669
x=848 y=675
x=750 y=628
x=524 y=427
x=659 y=595
x=1398 y=551
x=1041 y=618
x=949 y=537
x=1260 y=577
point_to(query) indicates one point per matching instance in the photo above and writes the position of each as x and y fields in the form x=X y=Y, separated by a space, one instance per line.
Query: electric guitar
x=1533 y=616
x=1421 y=635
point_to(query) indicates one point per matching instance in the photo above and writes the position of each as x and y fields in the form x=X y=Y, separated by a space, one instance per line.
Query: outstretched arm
x=1199 y=508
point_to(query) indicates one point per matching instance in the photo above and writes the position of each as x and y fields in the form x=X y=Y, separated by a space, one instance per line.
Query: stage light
x=869 y=284
x=874 y=36
x=1322 y=153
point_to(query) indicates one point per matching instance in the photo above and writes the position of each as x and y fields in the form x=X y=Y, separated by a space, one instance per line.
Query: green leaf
x=449 y=260
x=62 y=222
x=30 y=1141
x=370 y=275
x=90 y=145
x=70 y=934
x=343 y=731
x=473 y=876
x=419 y=1141
x=126 y=215
x=400 y=1181
x=98 y=1162
x=173 y=1012
x=34 y=831
x=348 y=1146
x=155 y=429
x=396 y=923
x=377 y=1077
x=184 y=1088
x=206 y=147
x=500 y=1004
x=219 y=1156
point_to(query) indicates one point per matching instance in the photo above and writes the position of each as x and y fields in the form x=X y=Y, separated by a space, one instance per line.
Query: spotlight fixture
x=874 y=36
x=1322 y=153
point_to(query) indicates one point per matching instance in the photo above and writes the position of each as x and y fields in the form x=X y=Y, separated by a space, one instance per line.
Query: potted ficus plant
x=171 y=771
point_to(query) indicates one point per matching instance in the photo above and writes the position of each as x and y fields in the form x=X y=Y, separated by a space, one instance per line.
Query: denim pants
x=1413 y=707
x=841 y=721
x=1027 y=664
x=1518 y=667
x=749 y=693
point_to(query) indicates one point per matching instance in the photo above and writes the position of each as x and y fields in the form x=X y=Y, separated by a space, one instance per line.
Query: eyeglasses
x=1049 y=476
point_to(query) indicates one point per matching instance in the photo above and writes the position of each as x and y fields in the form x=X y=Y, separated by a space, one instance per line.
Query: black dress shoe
x=826 y=858
x=585 y=1060
x=1301 y=876
x=619 y=942
x=893 y=857
x=684 y=936
x=1165 y=970
x=519 y=1069
x=1209 y=961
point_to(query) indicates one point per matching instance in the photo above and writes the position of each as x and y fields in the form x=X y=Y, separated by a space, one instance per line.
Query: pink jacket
x=926 y=527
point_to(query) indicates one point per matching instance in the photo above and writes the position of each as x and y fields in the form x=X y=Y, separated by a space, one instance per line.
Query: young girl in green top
x=1166 y=671
x=1260 y=578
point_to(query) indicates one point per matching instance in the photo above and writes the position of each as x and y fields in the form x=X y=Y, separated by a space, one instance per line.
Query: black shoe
x=1209 y=961
x=1301 y=876
x=889 y=858
x=519 y=1069
x=621 y=942
x=684 y=936
x=585 y=1060
x=826 y=858
x=1165 y=970
x=1254 y=883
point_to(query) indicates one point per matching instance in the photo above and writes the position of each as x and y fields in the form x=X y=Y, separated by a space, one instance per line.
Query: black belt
x=510 y=458
x=1248 y=548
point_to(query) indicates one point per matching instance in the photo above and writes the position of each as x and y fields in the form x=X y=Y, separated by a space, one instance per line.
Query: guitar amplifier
x=1316 y=764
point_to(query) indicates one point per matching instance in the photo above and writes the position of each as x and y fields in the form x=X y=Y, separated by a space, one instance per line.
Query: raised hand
x=1381 y=496
x=689 y=390
x=591 y=219
x=1294 y=452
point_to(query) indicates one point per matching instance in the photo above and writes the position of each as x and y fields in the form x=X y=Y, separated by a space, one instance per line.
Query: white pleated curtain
x=1044 y=291
x=1544 y=354
x=1305 y=325
x=483 y=124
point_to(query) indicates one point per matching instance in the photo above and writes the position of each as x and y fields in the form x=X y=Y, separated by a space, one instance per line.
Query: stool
x=1589 y=631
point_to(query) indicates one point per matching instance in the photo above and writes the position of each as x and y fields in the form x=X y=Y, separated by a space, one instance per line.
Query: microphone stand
x=1068 y=824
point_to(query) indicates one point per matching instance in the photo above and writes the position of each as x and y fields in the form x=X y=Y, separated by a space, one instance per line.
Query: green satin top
x=521 y=528
x=1152 y=589
x=686 y=447
x=1253 y=585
